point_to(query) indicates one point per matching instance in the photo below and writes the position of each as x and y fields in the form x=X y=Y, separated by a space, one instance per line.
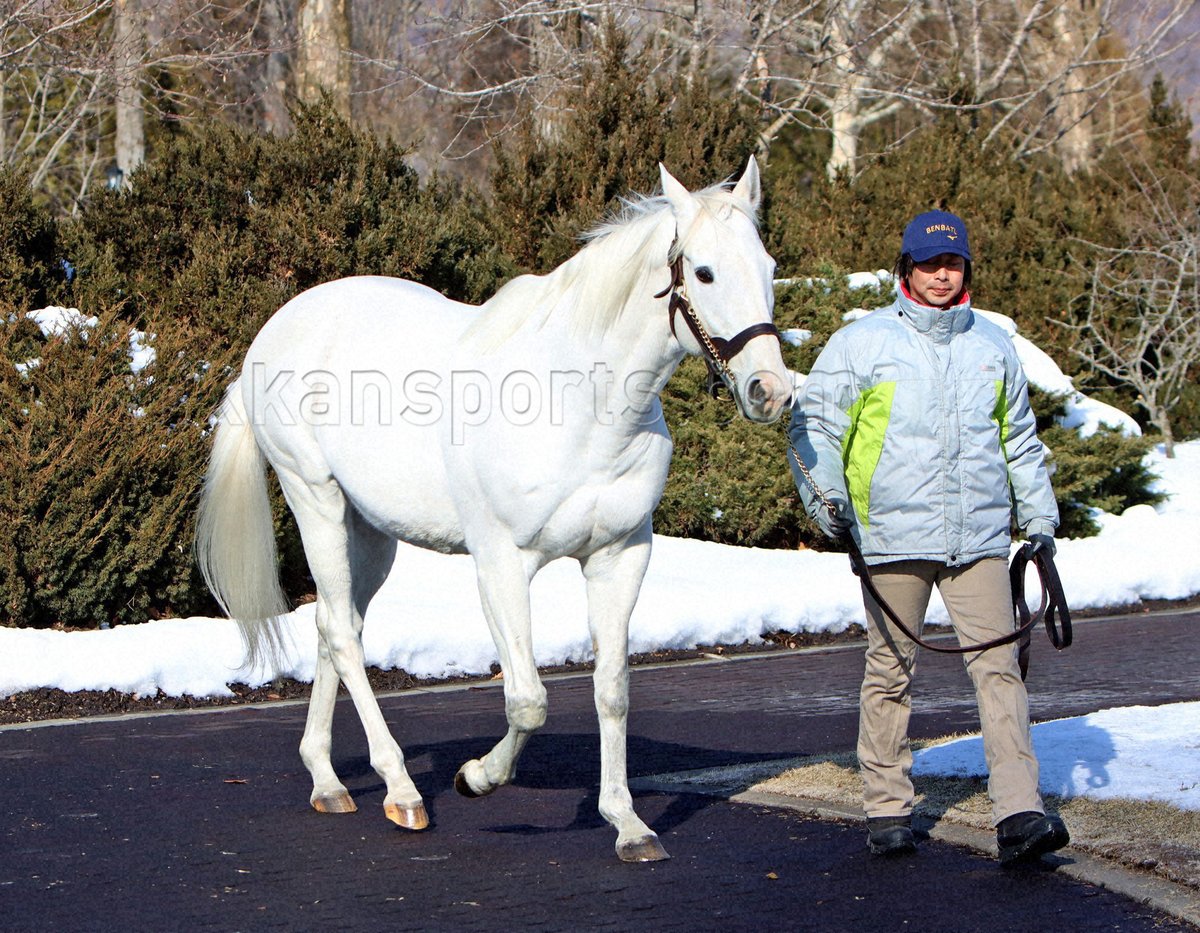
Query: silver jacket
x=919 y=417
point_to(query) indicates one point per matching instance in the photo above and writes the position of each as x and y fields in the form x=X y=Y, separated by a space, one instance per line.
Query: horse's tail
x=235 y=534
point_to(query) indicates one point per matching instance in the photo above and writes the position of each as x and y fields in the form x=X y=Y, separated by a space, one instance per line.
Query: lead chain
x=812 y=484
x=713 y=354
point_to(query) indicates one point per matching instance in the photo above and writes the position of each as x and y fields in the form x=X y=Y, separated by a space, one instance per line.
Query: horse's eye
x=704 y=274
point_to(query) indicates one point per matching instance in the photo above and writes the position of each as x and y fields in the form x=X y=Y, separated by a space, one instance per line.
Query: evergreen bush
x=209 y=240
x=1106 y=470
x=225 y=226
x=98 y=468
x=28 y=243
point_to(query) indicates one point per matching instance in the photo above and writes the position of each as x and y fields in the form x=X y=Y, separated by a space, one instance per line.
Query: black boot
x=890 y=835
x=1026 y=837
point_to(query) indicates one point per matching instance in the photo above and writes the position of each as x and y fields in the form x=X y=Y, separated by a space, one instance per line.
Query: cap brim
x=921 y=254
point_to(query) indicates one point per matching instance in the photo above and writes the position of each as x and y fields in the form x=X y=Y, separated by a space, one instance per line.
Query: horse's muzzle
x=765 y=397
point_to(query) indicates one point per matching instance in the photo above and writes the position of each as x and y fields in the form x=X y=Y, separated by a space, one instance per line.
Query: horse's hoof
x=645 y=849
x=407 y=817
x=334 y=803
x=463 y=786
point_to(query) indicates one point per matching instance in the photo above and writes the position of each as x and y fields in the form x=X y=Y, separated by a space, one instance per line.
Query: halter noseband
x=717 y=351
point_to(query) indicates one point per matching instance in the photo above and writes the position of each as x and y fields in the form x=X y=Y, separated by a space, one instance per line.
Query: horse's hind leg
x=372 y=553
x=504 y=575
x=329 y=794
x=614 y=577
x=335 y=540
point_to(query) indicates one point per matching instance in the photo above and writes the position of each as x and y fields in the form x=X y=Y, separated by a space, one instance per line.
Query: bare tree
x=1141 y=326
x=1044 y=70
x=1091 y=57
x=68 y=66
x=1041 y=71
x=129 y=49
x=451 y=77
x=823 y=66
x=46 y=98
x=323 y=56
x=1037 y=68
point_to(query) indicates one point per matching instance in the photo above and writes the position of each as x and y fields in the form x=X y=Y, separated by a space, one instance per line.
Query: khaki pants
x=979 y=601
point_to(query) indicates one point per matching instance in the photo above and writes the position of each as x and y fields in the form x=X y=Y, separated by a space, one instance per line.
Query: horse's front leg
x=504 y=573
x=614 y=577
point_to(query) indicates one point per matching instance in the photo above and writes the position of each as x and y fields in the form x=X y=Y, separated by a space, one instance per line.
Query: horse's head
x=722 y=293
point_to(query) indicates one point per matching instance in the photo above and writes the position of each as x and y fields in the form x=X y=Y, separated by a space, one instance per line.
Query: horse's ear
x=749 y=186
x=682 y=203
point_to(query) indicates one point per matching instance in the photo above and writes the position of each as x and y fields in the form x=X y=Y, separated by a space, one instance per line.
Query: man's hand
x=834 y=523
x=1043 y=543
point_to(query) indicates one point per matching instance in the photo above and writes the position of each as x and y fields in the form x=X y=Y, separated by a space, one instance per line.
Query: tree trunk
x=1159 y=416
x=130 y=40
x=844 y=130
x=555 y=40
x=275 y=117
x=1168 y=435
x=843 y=107
x=1075 y=132
x=323 y=62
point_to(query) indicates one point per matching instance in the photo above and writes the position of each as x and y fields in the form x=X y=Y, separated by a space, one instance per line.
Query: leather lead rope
x=1053 y=601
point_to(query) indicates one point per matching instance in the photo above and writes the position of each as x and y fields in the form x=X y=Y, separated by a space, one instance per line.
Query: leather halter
x=717 y=351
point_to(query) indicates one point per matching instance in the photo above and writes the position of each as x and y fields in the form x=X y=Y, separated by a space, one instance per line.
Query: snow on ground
x=1134 y=752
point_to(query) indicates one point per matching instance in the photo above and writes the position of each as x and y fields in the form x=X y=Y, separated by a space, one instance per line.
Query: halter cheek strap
x=717 y=351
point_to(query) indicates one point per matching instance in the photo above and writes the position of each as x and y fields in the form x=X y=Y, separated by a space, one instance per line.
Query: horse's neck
x=637 y=340
x=566 y=322
x=642 y=343
x=628 y=365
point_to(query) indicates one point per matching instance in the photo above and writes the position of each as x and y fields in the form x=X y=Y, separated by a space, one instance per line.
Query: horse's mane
x=619 y=256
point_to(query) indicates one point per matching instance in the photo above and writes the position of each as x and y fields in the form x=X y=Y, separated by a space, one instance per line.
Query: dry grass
x=1151 y=837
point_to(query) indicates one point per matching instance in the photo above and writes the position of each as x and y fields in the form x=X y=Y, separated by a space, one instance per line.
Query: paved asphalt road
x=200 y=821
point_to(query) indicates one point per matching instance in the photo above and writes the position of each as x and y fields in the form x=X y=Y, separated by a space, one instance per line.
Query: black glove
x=1043 y=543
x=836 y=523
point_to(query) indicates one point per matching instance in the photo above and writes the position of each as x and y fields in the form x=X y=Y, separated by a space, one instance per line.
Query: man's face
x=937 y=281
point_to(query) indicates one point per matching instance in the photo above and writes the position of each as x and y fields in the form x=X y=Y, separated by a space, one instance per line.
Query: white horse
x=523 y=430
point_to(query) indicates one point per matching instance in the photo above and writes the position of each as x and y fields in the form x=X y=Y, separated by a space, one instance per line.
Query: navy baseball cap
x=933 y=233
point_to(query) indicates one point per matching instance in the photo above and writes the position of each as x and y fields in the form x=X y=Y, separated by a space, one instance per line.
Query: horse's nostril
x=756 y=391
